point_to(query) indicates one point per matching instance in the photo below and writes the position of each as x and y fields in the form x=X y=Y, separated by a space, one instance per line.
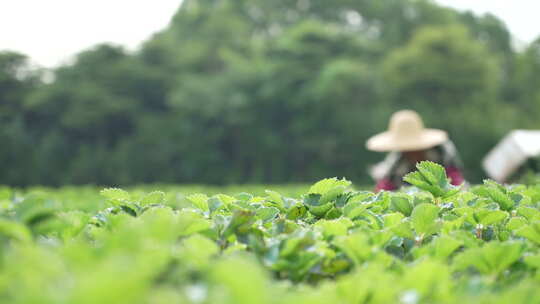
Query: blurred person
x=408 y=143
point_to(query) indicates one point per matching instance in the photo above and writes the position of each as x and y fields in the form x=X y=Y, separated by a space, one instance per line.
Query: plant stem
x=418 y=240
x=479 y=230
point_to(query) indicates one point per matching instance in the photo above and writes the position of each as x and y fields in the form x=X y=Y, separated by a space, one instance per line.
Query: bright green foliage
x=531 y=232
x=199 y=201
x=492 y=258
x=331 y=245
x=431 y=177
x=402 y=204
x=153 y=198
x=14 y=230
x=497 y=193
x=488 y=217
x=115 y=194
x=327 y=198
x=425 y=219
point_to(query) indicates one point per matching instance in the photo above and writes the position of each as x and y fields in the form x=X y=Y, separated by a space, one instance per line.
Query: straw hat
x=406 y=132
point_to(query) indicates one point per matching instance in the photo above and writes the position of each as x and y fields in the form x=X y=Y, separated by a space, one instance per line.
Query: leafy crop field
x=328 y=243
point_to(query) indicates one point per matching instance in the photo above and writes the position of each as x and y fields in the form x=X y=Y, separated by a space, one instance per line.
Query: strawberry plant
x=430 y=243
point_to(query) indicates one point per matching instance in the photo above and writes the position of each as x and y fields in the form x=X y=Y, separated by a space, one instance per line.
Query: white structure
x=510 y=153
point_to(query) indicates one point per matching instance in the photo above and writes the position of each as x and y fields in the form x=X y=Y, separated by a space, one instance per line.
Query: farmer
x=408 y=143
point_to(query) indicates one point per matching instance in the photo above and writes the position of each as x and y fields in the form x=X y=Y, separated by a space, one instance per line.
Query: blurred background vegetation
x=253 y=91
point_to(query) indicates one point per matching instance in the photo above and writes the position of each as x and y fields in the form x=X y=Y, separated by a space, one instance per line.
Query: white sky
x=51 y=31
x=520 y=16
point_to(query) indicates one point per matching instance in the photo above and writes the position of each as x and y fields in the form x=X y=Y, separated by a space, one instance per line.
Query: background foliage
x=237 y=91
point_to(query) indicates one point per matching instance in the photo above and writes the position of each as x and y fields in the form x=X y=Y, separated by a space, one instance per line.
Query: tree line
x=237 y=91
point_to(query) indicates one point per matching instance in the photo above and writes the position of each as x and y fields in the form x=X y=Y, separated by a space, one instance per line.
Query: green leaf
x=199 y=201
x=326 y=185
x=425 y=219
x=360 y=196
x=315 y=206
x=320 y=211
x=417 y=179
x=156 y=197
x=402 y=204
x=333 y=213
x=354 y=209
x=248 y=288
x=296 y=212
x=116 y=196
x=15 y=230
x=403 y=229
x=355 y=246
x=267 y=214
x=531 y=232
x=332 y=194
x=197 y=250
x=431 y=177
x=240 y=222
x=243 y=196
x=225 y=199
x=275 y=197
x=215 y=204
x=445 y=246
x=342 y=199
x=115 y=193
x=452 y=225
x=431 y=279
x=533 y=260
x=332 y=228
x=497 y=193
x=5 y=193
x=297 y=242
x=433 y=173
x=516 y=223
x=489 y=217
x=531 y=214
x=392 y=219
x=34 y=211
x=190 y=222
x=313 y=200
x=492 y=258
